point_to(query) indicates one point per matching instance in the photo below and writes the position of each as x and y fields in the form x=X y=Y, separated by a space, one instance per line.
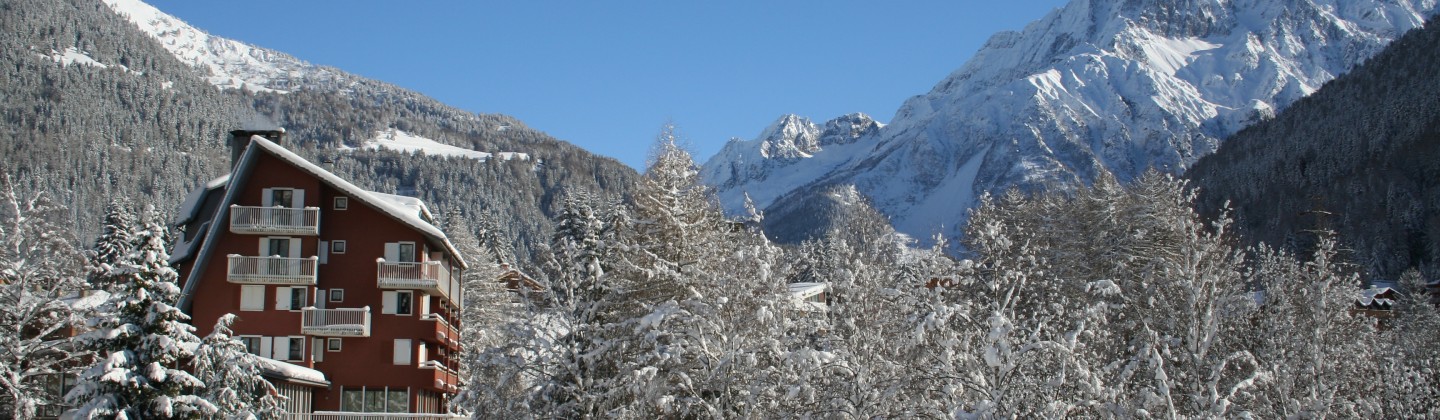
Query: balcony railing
x=275 y=220
x=445 y=333
x=272 y=270
x=430 y=277
x=445 y=379
x=348 y=322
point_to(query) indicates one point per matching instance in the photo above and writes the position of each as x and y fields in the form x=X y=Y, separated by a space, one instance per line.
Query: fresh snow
x=291 y=371
x=401 y=141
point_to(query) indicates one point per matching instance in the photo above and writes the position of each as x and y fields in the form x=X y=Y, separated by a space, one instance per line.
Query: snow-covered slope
x=400 y=141
x=779 y=149
x=229 y=64
x=1098 y=86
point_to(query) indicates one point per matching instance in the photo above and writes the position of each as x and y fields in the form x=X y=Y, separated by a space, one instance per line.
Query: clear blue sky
x=607 y=75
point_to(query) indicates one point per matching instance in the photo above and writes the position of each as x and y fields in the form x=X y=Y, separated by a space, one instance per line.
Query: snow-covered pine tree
x=40 y=278
x=496 y=382
x=1412 y=353
x=142 y=341
x=114 y=243
x=673 y=249
x=1322 y=357
x=233 y=377
x=584 y=300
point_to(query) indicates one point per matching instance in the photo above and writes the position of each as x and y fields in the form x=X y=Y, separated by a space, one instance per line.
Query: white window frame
x=342 y=202
x=252 y=297
x=285 y=295
x=293 y=350
x=334 y=344
x=334 y=292
x=337 y=246
x=258 y=340
x=390 y=302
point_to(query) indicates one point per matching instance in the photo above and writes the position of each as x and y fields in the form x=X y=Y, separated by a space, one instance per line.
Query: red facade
x=369 y=297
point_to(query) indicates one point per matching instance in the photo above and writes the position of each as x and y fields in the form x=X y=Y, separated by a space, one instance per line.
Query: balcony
x=445 y=334
x=446 y=380
x=272 y=270
x=275 y=220
x=430 y=277
x=349 y=322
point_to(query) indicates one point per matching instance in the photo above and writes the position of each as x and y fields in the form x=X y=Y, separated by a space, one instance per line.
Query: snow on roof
x=185 y=249
x=402 y=203
x=292 y=372
x=247 y=164
x=407 y=217
x=804 y=290
x=87 y=300
x=192 y=202
x=1375 y=295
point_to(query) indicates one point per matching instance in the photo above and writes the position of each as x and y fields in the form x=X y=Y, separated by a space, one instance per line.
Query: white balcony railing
x=431 y=276
x=272 y=270
x=276 y=220
x=347 y=322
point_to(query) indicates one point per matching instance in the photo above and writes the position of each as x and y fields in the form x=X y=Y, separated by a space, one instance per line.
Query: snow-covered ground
x=400 y=141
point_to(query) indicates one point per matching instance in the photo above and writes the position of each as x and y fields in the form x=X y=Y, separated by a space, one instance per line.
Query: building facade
x=323 y=275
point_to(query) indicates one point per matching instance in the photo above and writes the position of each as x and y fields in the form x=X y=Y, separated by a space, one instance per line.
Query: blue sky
x=607 y=75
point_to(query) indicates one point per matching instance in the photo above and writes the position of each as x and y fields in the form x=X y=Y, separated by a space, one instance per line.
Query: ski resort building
x=353 y=294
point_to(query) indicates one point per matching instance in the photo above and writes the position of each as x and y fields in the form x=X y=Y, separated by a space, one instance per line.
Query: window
x=252 y=297
x=397 y=302
x=375 y=400
x=402 y=351
x=337 y=247
x=342 y=203
x=252 y=343
x=400 y=252
x=297 y=348
x=332 y=344
x=291 y=298
x=337 y=295
x=282 y=197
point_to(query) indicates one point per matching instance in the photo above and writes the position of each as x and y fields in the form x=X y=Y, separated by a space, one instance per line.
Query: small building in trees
x=357 y=286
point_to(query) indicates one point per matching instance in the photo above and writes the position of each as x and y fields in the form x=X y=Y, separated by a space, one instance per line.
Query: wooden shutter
x=282 y=298
x=317 y=349
x=402 y=351
x=297 y=199
x=267 y=197
x=282 y=348
x=267 y=346
x=387 y=303
x=324 y=252
x=252 y=297
x=392 y=252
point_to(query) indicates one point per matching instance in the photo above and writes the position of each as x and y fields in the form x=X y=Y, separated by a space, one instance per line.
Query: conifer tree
x=40 y=282
x=114 y=243
x=142 y=340
x=233 y=377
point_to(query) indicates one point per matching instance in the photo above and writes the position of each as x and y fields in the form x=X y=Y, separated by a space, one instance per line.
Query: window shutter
x=267 y=346
x=317 y=349
x=324 y=252
x=420 y=355
x=282 y=349
x=282 y=298
x=252 y=298
x=267 y=198
x=424 y=304
x=294 y=248
x=402 y=351
x=298 y=200
x=264 y=246
x=392 y=252
x=387 y=304
x=320 y=299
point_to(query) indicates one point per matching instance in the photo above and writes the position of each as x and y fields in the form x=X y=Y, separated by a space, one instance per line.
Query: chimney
x=240 y=139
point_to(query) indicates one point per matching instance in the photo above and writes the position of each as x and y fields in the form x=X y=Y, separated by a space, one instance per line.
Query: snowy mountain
x=230 y=64
x=1099 y=86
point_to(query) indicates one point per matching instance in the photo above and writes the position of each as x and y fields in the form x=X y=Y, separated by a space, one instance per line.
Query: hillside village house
x=353 y=295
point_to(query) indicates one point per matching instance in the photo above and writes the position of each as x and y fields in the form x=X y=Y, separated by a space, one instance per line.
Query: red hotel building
x=357 y=291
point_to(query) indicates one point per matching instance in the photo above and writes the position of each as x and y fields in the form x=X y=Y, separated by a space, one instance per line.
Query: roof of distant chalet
x=406 y=210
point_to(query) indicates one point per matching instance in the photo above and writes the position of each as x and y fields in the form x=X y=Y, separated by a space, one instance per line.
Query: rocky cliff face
x=1099 y=86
